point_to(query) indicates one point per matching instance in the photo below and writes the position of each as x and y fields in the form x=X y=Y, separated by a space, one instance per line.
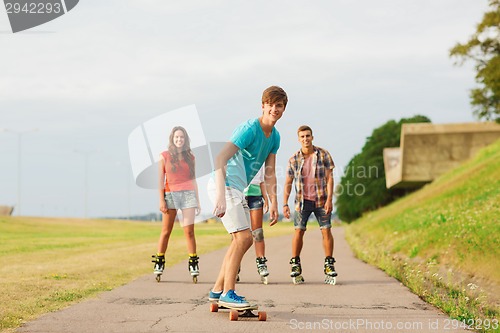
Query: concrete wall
x=392 y=166
x=429 y=150
x=6 y=210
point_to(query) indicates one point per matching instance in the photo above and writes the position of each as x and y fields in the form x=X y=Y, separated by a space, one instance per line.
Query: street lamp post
x=128 y=193
x=86 y=178
x=128 y=174
x=19 y=162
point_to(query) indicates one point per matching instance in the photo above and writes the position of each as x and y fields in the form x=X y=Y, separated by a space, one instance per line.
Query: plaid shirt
x=322 y=161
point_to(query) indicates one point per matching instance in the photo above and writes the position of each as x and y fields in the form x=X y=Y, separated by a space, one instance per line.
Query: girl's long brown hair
x=186 y=152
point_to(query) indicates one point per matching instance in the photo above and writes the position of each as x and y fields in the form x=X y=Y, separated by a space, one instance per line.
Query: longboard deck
x=244 y=312
x=251 y=307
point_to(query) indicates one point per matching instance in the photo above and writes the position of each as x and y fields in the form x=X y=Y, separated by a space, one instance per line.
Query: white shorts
x=237 y=216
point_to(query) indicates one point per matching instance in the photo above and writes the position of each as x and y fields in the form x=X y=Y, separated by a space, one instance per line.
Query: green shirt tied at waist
x=254 y=190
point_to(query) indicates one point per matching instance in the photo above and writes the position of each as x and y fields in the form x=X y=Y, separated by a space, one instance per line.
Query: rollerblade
x=296 y=271
x=329 y=270
x=262 y=269
x=194 y=268
x=159 y=262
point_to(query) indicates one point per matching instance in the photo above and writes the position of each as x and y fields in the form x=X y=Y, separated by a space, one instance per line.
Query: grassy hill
x=443 y=241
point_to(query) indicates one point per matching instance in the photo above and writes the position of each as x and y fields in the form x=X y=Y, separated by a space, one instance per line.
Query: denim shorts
x=309 y=207
x=255 y=202
x=181 y=200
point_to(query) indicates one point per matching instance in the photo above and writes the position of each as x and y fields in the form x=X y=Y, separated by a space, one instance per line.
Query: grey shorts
x=181 y=200
x=237 y=216
x=309 y=207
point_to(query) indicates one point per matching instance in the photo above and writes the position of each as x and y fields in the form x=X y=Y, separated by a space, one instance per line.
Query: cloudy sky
x=75 y=88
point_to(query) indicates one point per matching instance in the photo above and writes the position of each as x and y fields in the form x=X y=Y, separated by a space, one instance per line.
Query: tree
x=483 y=47
x=362 y=188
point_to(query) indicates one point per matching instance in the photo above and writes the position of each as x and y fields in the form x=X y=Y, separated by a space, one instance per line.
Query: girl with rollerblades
x=177 y=190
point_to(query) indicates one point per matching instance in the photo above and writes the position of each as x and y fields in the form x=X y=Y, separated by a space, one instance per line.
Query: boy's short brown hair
x=304 y=128
x=274 y=94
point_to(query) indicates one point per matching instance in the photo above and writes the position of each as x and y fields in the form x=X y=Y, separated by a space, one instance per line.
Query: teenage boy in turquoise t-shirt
x=252 y=144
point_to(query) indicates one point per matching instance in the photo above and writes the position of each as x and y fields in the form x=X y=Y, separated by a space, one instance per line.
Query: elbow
x=220 y=161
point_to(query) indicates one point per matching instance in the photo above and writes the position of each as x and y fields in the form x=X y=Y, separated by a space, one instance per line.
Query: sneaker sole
x=233 y=305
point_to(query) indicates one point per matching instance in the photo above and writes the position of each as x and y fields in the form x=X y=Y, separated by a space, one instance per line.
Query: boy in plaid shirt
x=312 y=169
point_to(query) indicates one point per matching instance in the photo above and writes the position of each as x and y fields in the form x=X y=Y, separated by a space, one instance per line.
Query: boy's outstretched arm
x=271 y=184
x=329 y=191
x=225 y=154
x=264 y=197
x=286 y=194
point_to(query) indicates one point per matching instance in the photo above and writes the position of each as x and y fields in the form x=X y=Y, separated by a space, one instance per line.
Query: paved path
x=365 y=299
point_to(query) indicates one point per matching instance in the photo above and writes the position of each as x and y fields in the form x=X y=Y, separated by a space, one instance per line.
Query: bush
x=362 y=187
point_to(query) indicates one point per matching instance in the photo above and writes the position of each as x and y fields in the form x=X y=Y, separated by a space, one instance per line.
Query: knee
x=189 y=233
x=246 y=239
x=258 y=235
x=166 y=232
x=327 y=232
x=299 y=233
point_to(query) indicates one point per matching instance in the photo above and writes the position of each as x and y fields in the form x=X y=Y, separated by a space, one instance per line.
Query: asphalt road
x=364 y=299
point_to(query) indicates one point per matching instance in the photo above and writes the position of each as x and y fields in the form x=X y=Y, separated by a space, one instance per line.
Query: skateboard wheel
x=262 y=315
x=214 y=307
x=233 y=315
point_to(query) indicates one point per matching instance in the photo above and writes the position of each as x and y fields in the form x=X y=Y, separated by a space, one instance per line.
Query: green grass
x=47 y=264
x=443 y=241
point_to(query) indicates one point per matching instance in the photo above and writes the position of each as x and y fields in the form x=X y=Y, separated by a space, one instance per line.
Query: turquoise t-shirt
x=254 y=149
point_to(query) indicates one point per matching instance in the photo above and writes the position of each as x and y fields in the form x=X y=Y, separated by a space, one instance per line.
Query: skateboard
x=299 y=279
x=245 y=312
